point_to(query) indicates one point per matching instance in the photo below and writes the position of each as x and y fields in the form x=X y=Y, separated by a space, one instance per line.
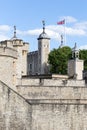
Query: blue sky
x=27 y=16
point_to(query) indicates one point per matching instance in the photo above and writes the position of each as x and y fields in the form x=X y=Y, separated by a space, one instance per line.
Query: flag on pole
x=61 y=22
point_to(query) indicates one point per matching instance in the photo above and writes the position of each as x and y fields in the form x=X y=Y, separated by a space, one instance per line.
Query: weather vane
x=14 y=31
x=43 y=25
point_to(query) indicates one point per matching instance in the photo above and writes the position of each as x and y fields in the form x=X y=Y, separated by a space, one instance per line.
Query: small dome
x=75 y=52
x=43 y=35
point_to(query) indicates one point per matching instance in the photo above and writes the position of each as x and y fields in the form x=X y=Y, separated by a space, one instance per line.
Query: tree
x=58 y=59
x=83 y=56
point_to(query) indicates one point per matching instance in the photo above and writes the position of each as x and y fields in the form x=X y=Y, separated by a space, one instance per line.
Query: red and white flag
x=61 y=22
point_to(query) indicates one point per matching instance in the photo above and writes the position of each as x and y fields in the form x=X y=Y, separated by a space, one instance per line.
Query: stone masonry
x=15 y=112
x=39 y=102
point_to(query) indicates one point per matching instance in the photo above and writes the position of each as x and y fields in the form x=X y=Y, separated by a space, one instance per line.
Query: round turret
x=75 y=52
x=43 y=35
x=43 y=51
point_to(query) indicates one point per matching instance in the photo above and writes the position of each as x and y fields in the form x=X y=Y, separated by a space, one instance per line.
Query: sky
x=27 y=16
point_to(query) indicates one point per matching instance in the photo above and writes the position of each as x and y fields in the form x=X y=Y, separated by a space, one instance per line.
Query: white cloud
x=3 y=37
x=53 y=34
x=5 y=28
x=68 y=19
x=81 y=25
x=30 y=32
x=56 y=28
x=71 y=31
x=83 y=47
x=75 y=32
x=50 y=30
x=53 y=31
x=4 y=32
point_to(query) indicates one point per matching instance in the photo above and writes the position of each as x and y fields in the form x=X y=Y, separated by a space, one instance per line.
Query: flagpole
x=60 y=23
x=65 y=32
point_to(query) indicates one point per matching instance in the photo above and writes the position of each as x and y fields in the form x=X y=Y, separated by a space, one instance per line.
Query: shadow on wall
x=15 y=112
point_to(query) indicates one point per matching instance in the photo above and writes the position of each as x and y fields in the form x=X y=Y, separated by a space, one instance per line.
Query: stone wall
x=13 y=61
x=15 y=112
x=69 y=90
x=75 y=68
x=32 y=63
x=56 y=104
x=43 y=51
x=9 y=52
x=8 y=57
x=49 y=105
x=59 y=117
x=52 y=82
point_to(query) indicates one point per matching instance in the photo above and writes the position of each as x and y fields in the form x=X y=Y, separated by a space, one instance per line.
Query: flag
x=61 y=22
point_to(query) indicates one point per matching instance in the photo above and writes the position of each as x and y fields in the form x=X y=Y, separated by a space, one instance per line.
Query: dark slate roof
x=43 y=35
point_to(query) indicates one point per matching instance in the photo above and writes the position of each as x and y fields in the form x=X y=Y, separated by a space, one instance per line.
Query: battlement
x=6 y=43
x=51 y=81
x=8 y=52
x=33 y=53
x=59 y=102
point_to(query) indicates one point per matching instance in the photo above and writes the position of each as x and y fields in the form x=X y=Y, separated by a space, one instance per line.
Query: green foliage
x=83 y=56
x=58 y=59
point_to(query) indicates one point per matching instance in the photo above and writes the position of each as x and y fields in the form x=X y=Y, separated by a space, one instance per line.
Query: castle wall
x=15 y=112
x=8 y=59
x=25 y=50
x=19 y=63
x=52 y=82
x=32 y=61
x=6 y=51
x=59 y=117
x=39 y=102
x=22 y=50
x=43 y=51
x=75 y=68
x=57 y=104
x=29 y=81
x=55 y=90
x=6 y=43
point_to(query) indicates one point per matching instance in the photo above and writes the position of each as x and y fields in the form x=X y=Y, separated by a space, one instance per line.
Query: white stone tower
x=22 y=50
x=13 y=60
x=43 y=51
x=75 y=65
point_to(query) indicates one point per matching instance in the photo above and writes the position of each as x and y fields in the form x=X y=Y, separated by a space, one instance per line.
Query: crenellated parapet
x=13 y=60
x=8 y=52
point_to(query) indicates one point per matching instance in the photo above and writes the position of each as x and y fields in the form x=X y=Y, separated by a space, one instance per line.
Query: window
x=30 y=67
